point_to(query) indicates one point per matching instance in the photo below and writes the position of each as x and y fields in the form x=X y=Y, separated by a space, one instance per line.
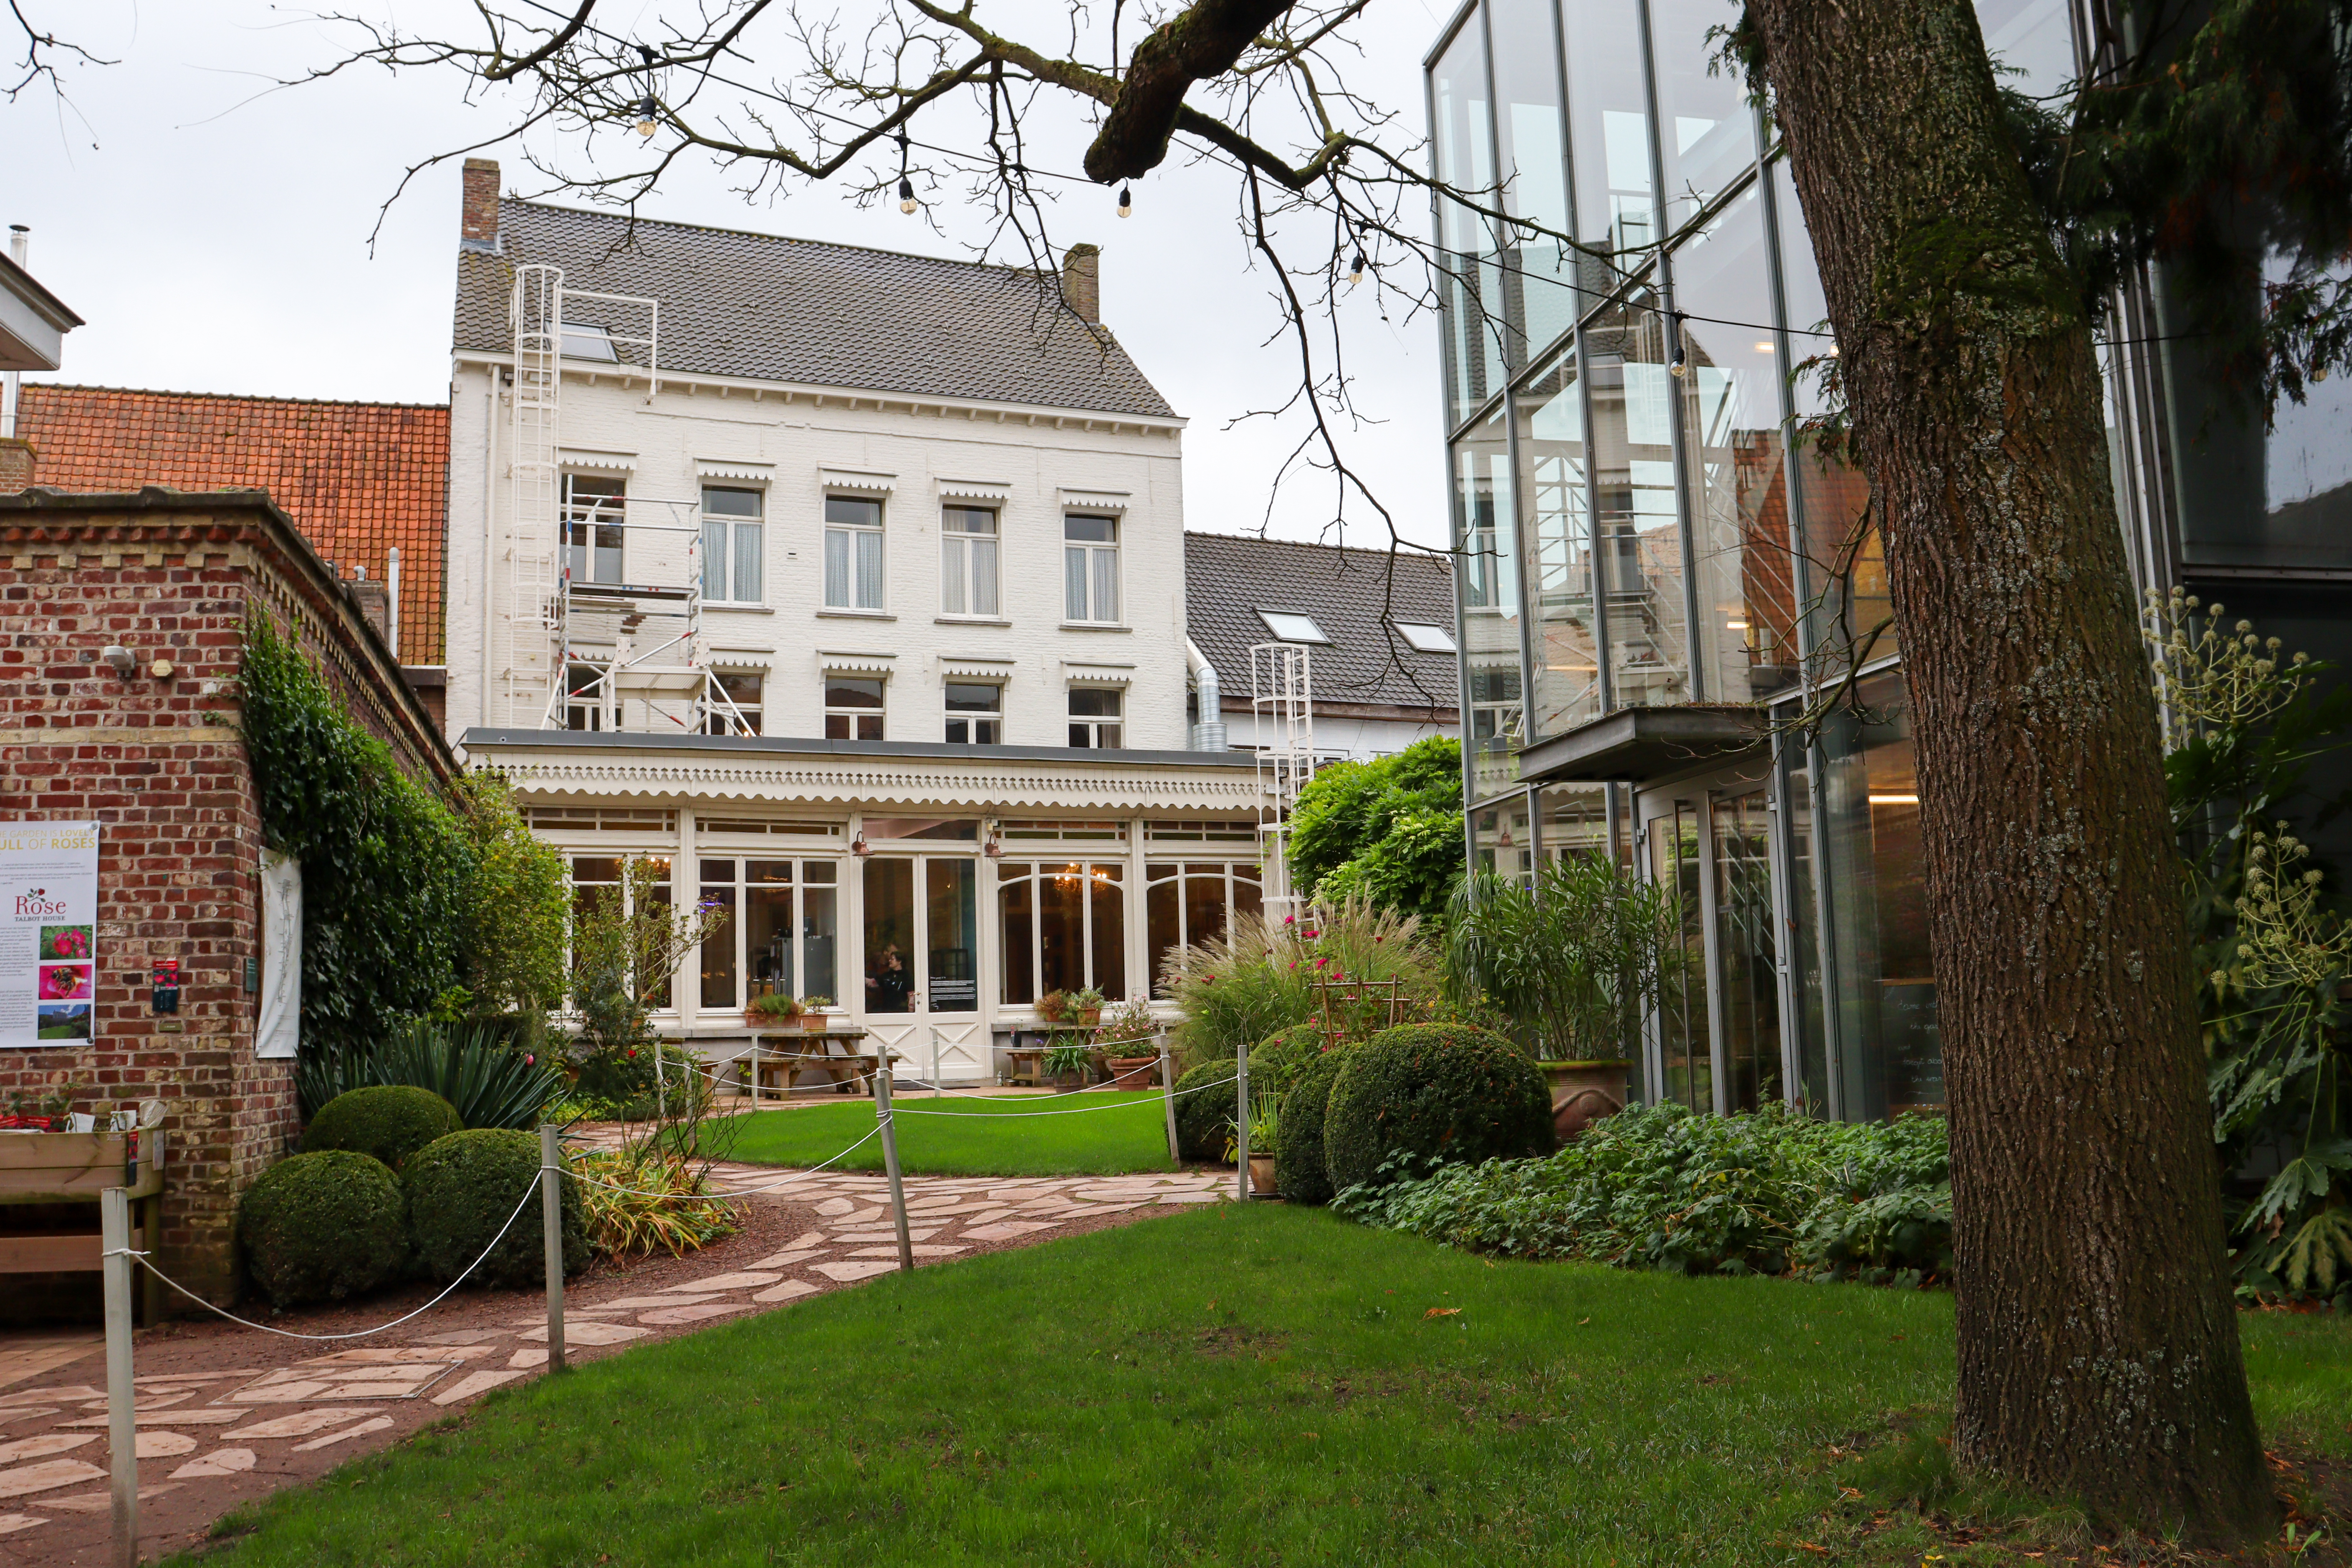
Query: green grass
x=1108 y=1135
x=1230 y=1386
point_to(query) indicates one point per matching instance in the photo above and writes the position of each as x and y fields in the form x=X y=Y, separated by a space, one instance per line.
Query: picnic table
x=74 y=1168
x=1026 y=1063
x=786 y=1054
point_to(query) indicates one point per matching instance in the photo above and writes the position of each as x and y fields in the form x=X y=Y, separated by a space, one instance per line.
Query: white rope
x=799 y=1173
x=1081 y=1111
x=356 y=1334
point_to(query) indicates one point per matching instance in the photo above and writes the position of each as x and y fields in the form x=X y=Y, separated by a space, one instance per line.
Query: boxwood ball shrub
x=462 y=1188
x=1298 y=1168
x=318 y=1227
x=1204 y=1116
x=1449 y=1092
x=390 y=1121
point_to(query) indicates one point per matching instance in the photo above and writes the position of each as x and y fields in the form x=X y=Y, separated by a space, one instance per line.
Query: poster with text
x=48 y=933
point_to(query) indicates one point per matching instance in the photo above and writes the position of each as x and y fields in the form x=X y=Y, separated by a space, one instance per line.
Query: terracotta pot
x=1084 y=1018
x=1583 y=1092
x=1262 y=1175
x=1132 y=1072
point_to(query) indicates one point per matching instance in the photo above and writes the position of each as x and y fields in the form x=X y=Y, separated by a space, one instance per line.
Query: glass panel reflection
x=1748 y=969
x=1639 y=536
x=1489 y=586
x=1573 y=820
x=1539 y=279
x=1609 y=132
x=1557 y=532
x=1731 y=420
x=1682 y=1034
x=889 y=936
x=1501 y=838
x=1469 y=281
x=1707 y=135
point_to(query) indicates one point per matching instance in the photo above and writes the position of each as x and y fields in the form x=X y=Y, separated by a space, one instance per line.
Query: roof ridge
x=1006 y=268
x=232 y=396
x=1432 y=555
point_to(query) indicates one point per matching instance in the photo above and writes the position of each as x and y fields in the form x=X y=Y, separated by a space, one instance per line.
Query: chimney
x=15 y=465
x=477 y=221
x=372 y=603
x=1082 y=282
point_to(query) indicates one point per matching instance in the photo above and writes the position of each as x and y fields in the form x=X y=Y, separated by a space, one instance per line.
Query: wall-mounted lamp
x=858 y=845
x=124 y=661
x=992 y=834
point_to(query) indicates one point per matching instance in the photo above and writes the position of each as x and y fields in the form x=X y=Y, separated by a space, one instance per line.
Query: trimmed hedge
x=1449 y=1092
x=1298 y=1168
x=318 y=1227
x=1204 y=1119
x=462 y=1188
x=390 y=1121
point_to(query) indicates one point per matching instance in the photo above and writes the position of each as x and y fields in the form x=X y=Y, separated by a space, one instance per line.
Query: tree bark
x=2098 y=1342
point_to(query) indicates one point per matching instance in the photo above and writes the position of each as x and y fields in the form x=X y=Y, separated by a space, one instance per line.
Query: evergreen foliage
x=1205 y=1115
x=388 y=1122
x=1299 y=1170
x=511 y=944
x=1388 y=830
x=491 y=1082
x=463 y=1188
x=1452 y=1092
x=322 y=1226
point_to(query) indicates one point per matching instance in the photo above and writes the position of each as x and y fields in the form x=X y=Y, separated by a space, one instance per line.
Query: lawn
x=1230 y=1386
x=1071 y=1135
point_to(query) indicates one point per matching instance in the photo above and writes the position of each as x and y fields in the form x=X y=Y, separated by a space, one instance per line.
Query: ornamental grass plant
x=634 y=1201
x=1259 y=977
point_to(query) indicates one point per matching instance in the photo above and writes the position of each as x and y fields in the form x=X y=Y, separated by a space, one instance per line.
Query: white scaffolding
x=596 y=636
x=1282 y=704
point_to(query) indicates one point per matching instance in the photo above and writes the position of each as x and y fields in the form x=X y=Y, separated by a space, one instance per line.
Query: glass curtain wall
x=1637 y=525
x=1486 y=531
x=1470 y=275
x=1555 y=501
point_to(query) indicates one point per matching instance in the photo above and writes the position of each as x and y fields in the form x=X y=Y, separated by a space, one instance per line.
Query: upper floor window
x=852 y=553
x=853 y=708
x=587 y=698
x=744 y=690
x=732 y=544
x=968 y=560
x=584 y=341
x=1090 y=569
x=1094 y=717
x=975 y=713
x=593 y=510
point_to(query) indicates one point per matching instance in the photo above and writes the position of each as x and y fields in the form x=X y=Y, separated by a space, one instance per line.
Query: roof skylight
x=1426 y=638
x=1289 y=626
x=583 y=341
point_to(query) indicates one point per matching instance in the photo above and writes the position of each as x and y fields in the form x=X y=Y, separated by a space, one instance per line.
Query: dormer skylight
x=1289 y=626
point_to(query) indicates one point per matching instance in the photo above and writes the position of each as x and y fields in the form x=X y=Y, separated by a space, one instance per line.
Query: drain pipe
x=1209 y=735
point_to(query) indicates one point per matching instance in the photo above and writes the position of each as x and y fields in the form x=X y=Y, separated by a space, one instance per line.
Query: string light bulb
x=1127 y=201
x=905 y=186
x=1356 y=270
x=649 y=117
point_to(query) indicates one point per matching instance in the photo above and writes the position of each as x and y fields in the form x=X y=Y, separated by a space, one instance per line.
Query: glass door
x=1747 y=969
x=922 y=965
x=1686 y=1055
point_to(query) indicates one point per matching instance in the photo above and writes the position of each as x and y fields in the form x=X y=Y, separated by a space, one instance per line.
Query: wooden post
x=551 y=1209
x=890 y=1162
x=121 y=1419
x=1168 y=1083
x=1241 y=1129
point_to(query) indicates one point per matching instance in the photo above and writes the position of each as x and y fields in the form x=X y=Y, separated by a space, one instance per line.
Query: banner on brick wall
x=48 y=933
x=279 y=1032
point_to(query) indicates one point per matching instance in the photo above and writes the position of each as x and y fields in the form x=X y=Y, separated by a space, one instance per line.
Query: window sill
x=969 y=621
x=1094 y=626
x=839 y=615
x=738 y=609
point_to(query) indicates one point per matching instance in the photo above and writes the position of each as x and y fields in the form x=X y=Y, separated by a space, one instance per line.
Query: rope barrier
x=798 y=1174
x=1080 y=1111
x=356 y=1334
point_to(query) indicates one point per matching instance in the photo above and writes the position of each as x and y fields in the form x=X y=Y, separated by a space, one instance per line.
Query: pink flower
x=633 y=1051
x=1322 y=963
x=530 y=1061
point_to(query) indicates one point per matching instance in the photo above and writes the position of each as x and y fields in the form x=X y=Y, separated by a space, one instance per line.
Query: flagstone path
x=255 y=1412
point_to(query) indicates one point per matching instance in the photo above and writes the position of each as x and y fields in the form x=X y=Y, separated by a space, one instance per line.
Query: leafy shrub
x=1275 y=1062
x=491 y=1082
x=1298 y=1166
x=464 y=1188
x=1661 y=1187
x=1388 y=831
x=1452 y=1092
x=318 y=1227
x=1577 y=961
x=516 y=909
x=636 y=1200
x=619 y=1081
x=390 y=1121
x=1205 y=1115
x=1258 y=978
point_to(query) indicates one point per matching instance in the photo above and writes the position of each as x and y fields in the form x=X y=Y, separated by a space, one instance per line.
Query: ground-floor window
x=1193 y=901
x=922 y=933
x=781 y=933
x=598 y=883
x=1063 y=926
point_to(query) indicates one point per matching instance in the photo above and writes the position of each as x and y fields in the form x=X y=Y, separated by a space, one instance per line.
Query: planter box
x=1583 y=1092
x=1261 y=1181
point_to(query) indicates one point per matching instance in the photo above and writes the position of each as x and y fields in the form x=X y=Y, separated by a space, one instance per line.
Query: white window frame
x=754 y=711
x=972 y=578
x=880 y=715
x=723 y=539
x=1320 y=639
x=848 y=541
x=737 y=931
x=596 y=513
x=995 y=717
x=1095 y=564
x=1439 y=641
x=1094 y=724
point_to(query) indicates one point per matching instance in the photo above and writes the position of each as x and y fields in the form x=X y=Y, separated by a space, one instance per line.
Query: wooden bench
x=74 y=1168
x=789 y=1053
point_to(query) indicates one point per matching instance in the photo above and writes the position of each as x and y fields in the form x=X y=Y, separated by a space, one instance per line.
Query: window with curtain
x=852 y=553
x=853 y=708
x=1094 y=717
x=733 y=537
x=968 y=562
x=595 y=510
x=975 y=712
x=1090 y=569
x=1063 y=926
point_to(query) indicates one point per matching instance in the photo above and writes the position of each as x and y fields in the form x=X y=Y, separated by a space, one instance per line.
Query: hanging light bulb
x=1356 y=270
x=1677 y=370
x=906 y=195
x=1127 y=201
x=2319 y=374
x=649 y=117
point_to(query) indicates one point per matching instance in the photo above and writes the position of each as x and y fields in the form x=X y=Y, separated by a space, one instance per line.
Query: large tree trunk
x=2098 y=1346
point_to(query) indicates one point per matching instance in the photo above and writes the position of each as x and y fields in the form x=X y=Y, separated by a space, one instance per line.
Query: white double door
x=922 y=962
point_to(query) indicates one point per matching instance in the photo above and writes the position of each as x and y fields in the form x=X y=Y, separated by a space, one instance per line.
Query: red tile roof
x=359 y=477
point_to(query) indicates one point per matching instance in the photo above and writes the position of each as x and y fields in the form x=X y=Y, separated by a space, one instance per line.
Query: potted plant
x=774 y=1011
x=1265 y=1122
x=813 y=1018
x=1084 y=1008
x=1053 y=1006
x=1070 y=1065
x=1126 y=1039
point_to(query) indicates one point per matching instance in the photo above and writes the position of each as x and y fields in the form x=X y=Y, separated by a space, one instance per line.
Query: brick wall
x=156 y=761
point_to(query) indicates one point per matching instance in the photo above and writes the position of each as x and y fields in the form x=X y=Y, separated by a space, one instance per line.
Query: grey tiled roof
x=1229 y=578
x=770 y=308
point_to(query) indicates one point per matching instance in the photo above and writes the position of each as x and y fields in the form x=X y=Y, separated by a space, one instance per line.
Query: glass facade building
x=1641 y=528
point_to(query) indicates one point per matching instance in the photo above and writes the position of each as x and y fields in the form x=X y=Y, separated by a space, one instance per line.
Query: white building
x=851 y=584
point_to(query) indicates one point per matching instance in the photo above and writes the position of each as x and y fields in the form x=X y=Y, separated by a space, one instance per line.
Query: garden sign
x=48 y=932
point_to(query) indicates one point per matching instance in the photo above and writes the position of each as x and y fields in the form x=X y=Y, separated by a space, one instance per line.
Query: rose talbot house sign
x=48 y=931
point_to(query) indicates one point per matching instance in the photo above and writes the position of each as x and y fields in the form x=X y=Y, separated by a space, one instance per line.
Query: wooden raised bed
x=74 y=1168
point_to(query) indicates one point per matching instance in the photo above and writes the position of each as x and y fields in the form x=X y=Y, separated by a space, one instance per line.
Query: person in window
x=890 y=984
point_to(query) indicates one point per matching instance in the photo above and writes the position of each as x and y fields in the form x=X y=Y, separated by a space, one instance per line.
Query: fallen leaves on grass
x=1442 y=1312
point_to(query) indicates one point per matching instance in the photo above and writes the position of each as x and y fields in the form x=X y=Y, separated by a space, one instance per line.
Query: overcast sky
x=218 y=241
